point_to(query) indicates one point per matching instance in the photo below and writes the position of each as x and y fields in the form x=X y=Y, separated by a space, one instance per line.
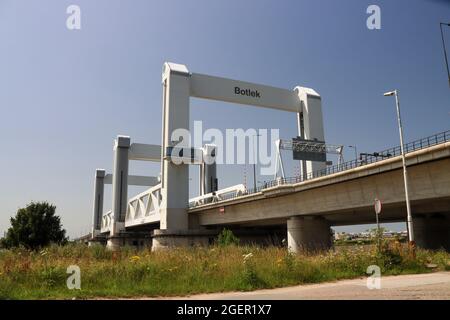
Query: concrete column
x=210 y=178
x=301 y=133
x=308 y=234
x=310 y=123
x=97 y=212
x=210 y=174
x=175 y=177
x=114 y=243
x=432 y=231
x=120 y=183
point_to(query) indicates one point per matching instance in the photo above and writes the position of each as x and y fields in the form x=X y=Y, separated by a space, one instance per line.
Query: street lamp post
x=405 y=173
x=445 y=50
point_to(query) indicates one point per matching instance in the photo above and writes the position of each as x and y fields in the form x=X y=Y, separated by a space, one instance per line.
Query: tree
x=35 y=226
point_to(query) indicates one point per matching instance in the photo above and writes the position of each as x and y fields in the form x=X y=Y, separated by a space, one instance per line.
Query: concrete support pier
x=432 y=231
x=119 y=189
x=139 y=240
x=308 y=234
x=165 y=239
x=120 y=178
x=99 y=187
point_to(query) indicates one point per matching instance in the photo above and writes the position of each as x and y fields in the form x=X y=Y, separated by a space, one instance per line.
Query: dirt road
x=406 y=287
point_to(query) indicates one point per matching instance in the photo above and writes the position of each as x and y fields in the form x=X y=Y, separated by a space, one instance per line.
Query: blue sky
x=65 y=95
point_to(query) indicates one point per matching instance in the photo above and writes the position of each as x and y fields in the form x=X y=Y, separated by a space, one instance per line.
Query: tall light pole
x=445 y=50
x=356 y=152
x=405 y=173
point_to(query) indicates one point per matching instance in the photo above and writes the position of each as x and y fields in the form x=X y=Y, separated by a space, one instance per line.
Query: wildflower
x=172 y=269
x=135 y=258
x=247 y=256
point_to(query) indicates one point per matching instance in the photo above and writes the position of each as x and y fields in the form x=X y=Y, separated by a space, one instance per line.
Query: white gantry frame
x=113 y=221
x=179 y=85
x=145 y=207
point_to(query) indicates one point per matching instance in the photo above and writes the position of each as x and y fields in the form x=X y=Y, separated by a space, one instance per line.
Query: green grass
x=129 y=273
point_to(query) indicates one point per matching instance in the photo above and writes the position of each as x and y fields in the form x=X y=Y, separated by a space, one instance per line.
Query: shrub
x=227 y=238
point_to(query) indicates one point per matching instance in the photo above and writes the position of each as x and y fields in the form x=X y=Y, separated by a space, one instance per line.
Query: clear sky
x=65 y=94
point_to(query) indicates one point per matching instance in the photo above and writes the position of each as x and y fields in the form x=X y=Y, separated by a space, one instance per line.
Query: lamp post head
x=390 y=93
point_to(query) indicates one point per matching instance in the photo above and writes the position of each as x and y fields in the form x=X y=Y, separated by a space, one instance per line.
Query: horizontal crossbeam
x=143 y=181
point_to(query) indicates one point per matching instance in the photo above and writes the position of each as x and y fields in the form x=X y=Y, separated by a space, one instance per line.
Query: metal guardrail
x=375 y=157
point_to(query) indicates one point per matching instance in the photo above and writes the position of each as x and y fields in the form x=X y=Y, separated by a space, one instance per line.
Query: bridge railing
x=423 y=143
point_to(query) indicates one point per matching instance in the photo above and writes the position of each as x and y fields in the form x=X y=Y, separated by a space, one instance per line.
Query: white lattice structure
x=106 y=221
x=144 y=208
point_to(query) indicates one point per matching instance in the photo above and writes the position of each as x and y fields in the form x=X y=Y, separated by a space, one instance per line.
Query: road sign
x=311 y=150
x=377 y=206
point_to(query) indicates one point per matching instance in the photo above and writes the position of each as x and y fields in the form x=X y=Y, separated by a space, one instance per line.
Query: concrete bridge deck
x=345 y=197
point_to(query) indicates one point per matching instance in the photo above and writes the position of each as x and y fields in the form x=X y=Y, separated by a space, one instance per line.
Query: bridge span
x=307 y=209
x=302 y=209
